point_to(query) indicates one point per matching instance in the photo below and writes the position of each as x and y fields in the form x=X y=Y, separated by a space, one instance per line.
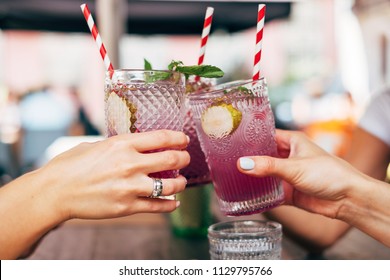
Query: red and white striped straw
x=259 y=41
x=96 y=36
x=205 y=35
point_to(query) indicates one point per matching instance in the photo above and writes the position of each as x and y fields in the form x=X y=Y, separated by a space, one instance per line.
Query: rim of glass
x=125 y=70
x=141 y=76
x=142 y=70
x=217 y=90
x=110 y=73
x=272 y=227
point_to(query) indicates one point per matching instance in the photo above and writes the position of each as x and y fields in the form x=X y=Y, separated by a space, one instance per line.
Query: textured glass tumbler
x=194 y=216
x=197 y=172
x=235 y=120
x=144 y=100
x=245 y=240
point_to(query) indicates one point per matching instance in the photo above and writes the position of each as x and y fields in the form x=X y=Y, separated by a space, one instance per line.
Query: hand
x=109 y=178
x=313 y=179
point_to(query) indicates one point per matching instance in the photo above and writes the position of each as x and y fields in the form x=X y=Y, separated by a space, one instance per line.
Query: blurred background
x=323 y=61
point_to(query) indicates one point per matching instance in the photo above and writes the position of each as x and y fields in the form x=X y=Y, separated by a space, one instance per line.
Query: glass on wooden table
x=245 y=240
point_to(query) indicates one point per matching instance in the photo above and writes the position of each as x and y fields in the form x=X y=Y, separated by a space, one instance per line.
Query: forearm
x=27 y=214
x=367 y=208
x=314 y=232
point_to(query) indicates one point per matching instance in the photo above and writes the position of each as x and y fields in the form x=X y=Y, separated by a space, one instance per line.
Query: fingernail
x=177 y=203
x=247 y=163
x=188 y=139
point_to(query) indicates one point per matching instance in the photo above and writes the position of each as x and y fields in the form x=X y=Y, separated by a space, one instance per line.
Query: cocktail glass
x=234 y=120
x=197 y=172
x=193 y=217
x=144 y=100
x=245 y=240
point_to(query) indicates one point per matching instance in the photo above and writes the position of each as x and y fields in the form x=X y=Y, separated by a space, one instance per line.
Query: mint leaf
x=206 y=71
x=147 y=65
x=156 y=76
x=245 y=90
x=174 y=64
x=241 y=89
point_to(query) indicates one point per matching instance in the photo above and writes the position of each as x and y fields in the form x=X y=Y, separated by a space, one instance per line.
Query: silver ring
x=157 y=188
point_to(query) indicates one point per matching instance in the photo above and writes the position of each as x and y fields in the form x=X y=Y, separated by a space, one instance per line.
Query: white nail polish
x=247 y=163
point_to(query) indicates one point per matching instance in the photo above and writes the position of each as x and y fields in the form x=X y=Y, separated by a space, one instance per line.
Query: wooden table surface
x=142 y=236
x=148 y=237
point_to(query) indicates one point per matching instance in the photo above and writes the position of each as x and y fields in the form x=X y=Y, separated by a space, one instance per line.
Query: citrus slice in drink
x=120 y=114
x=220 y=120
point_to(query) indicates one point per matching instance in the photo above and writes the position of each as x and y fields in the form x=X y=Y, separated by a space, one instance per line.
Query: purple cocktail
x=197 y=172
x=235 y=120
x=141 y=100
x=193 y=217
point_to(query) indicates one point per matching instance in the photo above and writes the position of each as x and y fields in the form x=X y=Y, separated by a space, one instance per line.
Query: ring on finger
x=157 y=188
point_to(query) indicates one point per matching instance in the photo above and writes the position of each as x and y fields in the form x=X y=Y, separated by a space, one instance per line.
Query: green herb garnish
x=241 y=89
x=147 y=65
x=206 y=71
x=156 y=76
x=245 y=90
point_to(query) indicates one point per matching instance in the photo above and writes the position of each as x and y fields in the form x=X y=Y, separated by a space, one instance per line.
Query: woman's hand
x=110 y=178
x=324 y=184
x=99 y=180
x=313 y=179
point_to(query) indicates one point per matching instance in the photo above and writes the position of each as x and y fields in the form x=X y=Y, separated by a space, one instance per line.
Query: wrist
x=47 y=202
x=30 y=213
x=368 y=209
x=355 y=202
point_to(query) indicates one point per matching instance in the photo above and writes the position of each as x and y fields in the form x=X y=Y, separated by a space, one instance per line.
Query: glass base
x=245 y=240
x=249 y=207
x=245 y=250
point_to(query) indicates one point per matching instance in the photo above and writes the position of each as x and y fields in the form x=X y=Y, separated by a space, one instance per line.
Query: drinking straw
x=95 y=34
x=205 y=35
x=259 y=41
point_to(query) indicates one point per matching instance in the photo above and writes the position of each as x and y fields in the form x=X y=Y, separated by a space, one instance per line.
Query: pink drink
x=140 y=101
x=253 y=133
x=197 y=172
x=193 y=217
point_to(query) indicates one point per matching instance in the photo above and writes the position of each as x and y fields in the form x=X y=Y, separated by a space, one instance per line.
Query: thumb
x=261 y=166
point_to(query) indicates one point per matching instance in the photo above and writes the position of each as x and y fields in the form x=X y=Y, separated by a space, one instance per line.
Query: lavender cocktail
x=235 y=120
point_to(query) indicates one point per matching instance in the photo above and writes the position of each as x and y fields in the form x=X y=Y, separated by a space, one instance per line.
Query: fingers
x=296 y=144
x=155 y=205
x=159 y=139
x=288 y=193
x=170 y=186
x=289 y=143
x=145 y=204
x=165 y=160
x=261 y=166
x=282 y=138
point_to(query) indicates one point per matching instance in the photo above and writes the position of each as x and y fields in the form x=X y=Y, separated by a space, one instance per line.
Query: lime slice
x=120 y=114
x=220 y=120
